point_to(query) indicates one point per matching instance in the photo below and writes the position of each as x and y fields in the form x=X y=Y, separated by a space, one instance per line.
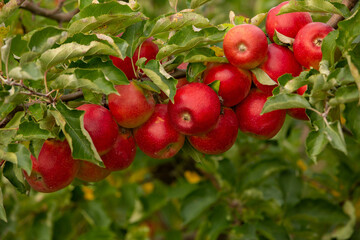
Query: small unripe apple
x=148 y=50
x=123 y=152
x=252 y=123
x=299 y=113
x=307 y=44
x=195 y=110
x=219 y=139
x=132 y=107
x=235 y=83
x=245 y=46
x=54 y=169
x=157 y=138
x=90 y=172
x=287 y=24
x=100 y=125
x=280 y=60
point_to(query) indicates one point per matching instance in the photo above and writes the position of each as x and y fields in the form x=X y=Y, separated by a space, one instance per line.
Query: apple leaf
x=15 y=176
x=189 y=150
x=349 y=30
x=8 y=133
x=258 y=19
x=107 y=18
x=156 y=72
x=44 y=38
x=196 y=3
x=215 y=85
x=272 y=231
x=175 y=21
x=198 y=201
x=320 y=6
x=295 y=83
x=2 y=209
x=21 y=156
x=29 y=71
x=345 y=94
x=187 y=39
x=92 y=79
x=328 y=47
x=284 y=40
x=68 y=51
x=316 y=143
x=72 y=125
x=8 y=9
x=194 y=71
x=285 y=101
x=352 y=116
x=31 y=130
x=335 y=136
x=203 y=55
x=262 y=77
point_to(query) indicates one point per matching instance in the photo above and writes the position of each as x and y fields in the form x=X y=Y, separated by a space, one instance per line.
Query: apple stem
x=242 y=47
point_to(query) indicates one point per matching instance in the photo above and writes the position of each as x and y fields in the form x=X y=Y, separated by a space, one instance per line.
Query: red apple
x=235 y=83
x=123 y=152
x=157 y=138
x=90 y=172
x=221 y=138
x=245 y=46
x=252 y=123
x=195 y=110
x=299 y=113
x=132 y=107
x=307 y=44
x=287 y=24
x=148 y=50
x=100 y=125
x=54 y=169
x=280 y=60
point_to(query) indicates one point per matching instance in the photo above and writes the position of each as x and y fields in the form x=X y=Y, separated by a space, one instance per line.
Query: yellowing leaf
x=192 y=177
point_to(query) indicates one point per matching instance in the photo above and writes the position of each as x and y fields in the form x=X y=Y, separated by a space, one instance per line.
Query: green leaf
x=107 y=18
x=5 y=51
x=354 y=65
x=285 y=101
x=295 y=83
x=7 y=10
x=198 y=201
x=328 y=47
x=317 y=211
x=98 y=233
x=262 y=77
x=44 y=38
x=203 y=55
x=316 y=143
x=22 y=156
x=72 y=125
x=291 y=187
x=2 y=209
x=352 y=116
x=175 y=21
x=156 y=72
x=32 y=130
x=196 y=3
x=68 y=51
x=29 y=71
x=215 y=85
x=320 y=6
x=335 y=136
x=272 y=231
x=187 y=39
x=194 y=71
x=189 y=150
x=349 y=30
x=345 y=94
x=37 y=111
x=9 y=131
x=14 y=175
x=94 y=80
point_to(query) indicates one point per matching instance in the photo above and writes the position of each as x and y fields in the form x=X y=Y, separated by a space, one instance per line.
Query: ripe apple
x=299 y=113
x=148 y=50
x=100 y=125
x=245 y=46
x=252 y=123
x=157 y=138
x=122 y=154
x=219 y=139
x=307 y=44
x=54 y=169
x=287 y=24
x=280 y=60
x=90 y=172
x=132 y=107
x=235 y=83
x=195 y=110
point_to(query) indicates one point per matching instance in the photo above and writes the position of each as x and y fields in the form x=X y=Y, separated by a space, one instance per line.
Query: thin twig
x=336 y=18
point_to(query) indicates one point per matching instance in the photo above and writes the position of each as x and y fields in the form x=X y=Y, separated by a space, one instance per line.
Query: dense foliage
x=303 y=184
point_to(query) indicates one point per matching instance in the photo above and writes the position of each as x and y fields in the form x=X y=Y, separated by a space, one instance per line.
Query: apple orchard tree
x=120 y=120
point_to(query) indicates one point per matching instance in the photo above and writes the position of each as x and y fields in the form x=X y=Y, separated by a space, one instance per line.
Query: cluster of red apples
x=208 y=120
